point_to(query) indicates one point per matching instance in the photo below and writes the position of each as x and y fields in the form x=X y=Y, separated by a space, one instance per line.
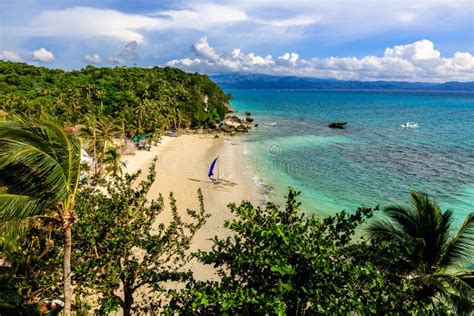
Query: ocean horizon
x=374 y=161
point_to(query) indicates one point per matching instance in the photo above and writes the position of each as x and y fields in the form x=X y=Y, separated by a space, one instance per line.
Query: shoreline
x=182 y=167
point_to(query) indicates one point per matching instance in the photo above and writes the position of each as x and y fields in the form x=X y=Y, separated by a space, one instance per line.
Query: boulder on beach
x=338 y=125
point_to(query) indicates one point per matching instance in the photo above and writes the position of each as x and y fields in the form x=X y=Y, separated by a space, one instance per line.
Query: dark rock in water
x=256 y=125
x=249 y=119
x=338 y=125
x=248 y=113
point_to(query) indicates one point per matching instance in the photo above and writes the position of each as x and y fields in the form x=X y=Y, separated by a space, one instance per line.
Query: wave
x=265 y=189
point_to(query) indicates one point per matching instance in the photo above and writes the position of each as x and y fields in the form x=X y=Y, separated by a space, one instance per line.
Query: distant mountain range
x=258 y=81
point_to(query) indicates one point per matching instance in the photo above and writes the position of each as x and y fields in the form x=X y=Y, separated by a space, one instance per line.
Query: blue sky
x=346 y=39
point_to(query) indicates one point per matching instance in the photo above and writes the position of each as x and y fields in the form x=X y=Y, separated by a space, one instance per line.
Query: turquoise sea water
x=373 y=161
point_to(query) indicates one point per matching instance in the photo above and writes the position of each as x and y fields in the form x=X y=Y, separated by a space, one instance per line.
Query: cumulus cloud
x=423 y=49
x=418 y=61
x=92 y=59
x=8 y=55
x=42 y=55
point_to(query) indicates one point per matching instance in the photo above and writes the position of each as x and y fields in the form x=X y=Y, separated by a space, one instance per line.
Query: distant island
x=260 y=81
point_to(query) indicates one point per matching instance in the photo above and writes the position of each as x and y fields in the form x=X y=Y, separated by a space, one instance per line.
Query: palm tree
x=100 y=133
x=430 y=250
x=112 y=161
x=90 y=133
x=40 y=168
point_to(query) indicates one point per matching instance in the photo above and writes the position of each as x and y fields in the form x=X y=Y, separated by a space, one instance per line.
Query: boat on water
x=409 y=125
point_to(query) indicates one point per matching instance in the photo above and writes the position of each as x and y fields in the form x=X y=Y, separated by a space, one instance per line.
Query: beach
x=182 y=168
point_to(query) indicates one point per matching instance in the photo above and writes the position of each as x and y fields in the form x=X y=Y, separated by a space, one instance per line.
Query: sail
x=213 y=164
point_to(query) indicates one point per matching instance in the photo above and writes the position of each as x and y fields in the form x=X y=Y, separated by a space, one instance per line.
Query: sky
x=407 y=40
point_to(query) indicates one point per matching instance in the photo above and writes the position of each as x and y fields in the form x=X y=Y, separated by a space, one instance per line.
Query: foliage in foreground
x=278 y=261
x=429 y=249
x=36 y=269
x=126 y=245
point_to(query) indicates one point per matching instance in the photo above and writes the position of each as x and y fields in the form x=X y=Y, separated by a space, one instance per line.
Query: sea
x=373 y=161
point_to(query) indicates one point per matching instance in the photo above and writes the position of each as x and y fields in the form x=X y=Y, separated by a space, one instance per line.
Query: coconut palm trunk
x=40 y=168
x=67 y=269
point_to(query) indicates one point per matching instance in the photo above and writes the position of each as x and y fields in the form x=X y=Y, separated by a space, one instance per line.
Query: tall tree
x=40 y=167
x=430 y=249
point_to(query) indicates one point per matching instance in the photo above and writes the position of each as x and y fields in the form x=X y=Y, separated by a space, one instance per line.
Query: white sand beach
x=182 y=167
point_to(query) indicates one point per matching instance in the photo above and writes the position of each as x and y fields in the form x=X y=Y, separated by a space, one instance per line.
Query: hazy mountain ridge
x=259 y=81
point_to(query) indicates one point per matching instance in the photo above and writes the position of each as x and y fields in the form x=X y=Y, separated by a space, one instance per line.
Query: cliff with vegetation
x=143 y=100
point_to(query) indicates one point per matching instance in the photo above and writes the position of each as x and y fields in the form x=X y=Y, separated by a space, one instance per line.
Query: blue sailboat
x=211 y=169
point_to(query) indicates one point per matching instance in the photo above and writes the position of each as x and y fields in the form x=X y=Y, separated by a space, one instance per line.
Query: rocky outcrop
x=234 y=124
x=339 y=125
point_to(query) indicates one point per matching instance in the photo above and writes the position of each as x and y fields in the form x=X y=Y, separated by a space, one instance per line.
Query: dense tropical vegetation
x=104 y=104
x=107 y=240
x=143 y=100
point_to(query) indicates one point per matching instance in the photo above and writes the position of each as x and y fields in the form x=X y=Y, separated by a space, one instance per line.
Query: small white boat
x=409 y=125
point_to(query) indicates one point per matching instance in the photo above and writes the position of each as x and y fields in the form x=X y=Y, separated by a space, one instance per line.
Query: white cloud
x=93 y=22
x=423 y=49
x=92 y=59
x=295 y=21
x=42 y=55
x=8 y=55
x=202 y=49
x=418 y=61
x=87 y=22
x=203 y=15
x=290 y=58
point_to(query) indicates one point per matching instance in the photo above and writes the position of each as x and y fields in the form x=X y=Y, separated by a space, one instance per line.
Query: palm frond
x=458 y=292
x=42 y=172
x=460 y=250
x=39 y=166
x=386 y=230
x=70 y=147
x=46 y=159
x=405 y=217
x=18 y=207
x=10 y=232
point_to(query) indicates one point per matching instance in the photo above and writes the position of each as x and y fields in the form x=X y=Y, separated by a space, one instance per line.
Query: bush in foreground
x=279 y=261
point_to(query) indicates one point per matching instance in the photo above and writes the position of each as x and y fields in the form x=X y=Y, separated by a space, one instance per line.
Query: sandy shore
x=182 y=166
